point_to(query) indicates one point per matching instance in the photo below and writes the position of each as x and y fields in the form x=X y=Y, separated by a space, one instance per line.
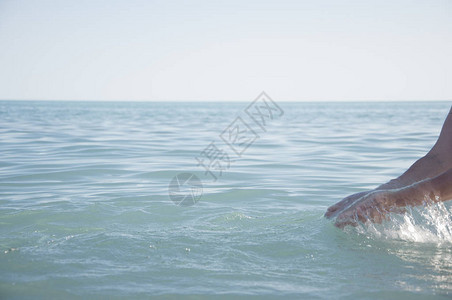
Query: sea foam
x=422 y=224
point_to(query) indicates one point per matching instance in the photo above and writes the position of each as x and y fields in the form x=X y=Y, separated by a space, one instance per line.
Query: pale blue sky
x=226 y=50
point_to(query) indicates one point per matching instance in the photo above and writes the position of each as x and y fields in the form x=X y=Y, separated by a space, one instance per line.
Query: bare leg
x=435 y=162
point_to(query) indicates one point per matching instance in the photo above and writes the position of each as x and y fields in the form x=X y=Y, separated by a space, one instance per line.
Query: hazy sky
x=226 y=50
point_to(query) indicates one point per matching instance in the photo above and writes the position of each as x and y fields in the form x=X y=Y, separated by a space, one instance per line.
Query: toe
x=342 y=223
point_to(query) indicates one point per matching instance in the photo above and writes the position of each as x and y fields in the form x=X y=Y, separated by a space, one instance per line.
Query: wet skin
x=428 y=180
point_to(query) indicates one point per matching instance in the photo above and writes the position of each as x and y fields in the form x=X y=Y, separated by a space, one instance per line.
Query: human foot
x=427 y=167
x=341 y=205
x=376 y=206
x=373 y=207
x=437 y=164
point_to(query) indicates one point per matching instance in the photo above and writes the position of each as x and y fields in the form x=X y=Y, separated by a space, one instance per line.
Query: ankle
x=390 y=185
x=429 y=166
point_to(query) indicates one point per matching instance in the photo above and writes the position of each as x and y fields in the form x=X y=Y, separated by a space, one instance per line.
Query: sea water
x=85 y=206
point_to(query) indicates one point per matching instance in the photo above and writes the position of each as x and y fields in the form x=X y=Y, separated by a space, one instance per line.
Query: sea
x=200 y=200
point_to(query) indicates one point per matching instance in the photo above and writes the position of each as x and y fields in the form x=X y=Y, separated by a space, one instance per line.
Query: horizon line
x=225 y=101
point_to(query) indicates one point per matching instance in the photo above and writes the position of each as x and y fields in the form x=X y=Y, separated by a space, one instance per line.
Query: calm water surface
x=85 y=211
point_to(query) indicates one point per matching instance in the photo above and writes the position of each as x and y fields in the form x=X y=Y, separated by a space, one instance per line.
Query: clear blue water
x=85 y=211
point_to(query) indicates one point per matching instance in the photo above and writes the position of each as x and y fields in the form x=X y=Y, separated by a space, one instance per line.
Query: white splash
x=424 y=224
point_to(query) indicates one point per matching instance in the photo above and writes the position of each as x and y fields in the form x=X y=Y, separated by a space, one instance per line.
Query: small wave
x=424 y=224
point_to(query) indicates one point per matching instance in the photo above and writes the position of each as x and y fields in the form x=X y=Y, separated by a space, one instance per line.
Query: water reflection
x=429 y=264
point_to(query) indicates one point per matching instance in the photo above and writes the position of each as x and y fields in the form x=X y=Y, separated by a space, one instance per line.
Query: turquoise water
x=85 y=210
